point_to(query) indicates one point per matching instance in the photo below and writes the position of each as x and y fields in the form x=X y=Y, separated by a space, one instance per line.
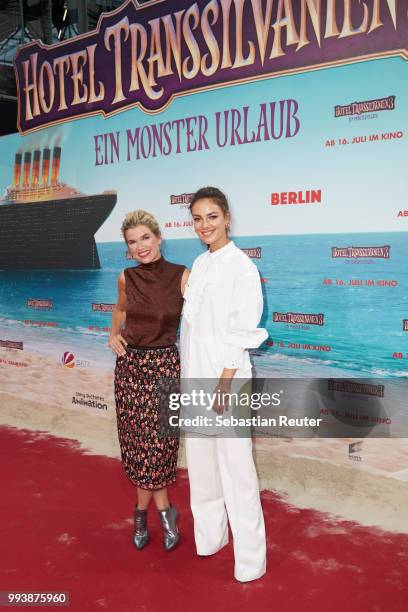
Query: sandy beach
x=367 y=483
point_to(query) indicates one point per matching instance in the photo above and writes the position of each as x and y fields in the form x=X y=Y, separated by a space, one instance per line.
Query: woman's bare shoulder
x=122 y=279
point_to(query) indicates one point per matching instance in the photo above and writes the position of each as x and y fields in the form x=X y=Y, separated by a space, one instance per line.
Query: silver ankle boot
x=170 y=530
x=141 y=535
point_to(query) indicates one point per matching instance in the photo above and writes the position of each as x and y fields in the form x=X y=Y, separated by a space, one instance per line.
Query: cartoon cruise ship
x=45 y=224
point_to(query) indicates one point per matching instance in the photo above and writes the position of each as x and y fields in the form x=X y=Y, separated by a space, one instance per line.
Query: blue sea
x=363 y=324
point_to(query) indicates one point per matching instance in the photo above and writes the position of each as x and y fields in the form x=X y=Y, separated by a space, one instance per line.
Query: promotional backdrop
x=312 y=158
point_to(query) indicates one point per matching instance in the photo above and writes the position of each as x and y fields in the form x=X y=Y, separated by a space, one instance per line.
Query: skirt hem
x=151 y=487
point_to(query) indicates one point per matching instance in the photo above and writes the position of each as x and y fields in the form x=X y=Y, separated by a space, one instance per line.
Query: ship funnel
x=36 y=168
x=17 y=170
x=27 y=169
x=56 y=159
x=45 y=166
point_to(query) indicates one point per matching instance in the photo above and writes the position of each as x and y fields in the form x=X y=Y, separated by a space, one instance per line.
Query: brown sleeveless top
x=154 y=303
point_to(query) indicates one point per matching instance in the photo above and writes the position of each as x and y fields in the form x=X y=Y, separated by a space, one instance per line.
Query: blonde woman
x=143 y=334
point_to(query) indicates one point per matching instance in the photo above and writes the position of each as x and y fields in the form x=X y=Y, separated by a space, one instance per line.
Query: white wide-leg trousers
x=224 y=483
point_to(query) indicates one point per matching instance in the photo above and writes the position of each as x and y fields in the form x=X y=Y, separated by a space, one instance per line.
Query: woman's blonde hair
x=140 y=217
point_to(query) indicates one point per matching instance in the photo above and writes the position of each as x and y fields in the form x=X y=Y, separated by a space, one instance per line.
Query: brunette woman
x=223 y=307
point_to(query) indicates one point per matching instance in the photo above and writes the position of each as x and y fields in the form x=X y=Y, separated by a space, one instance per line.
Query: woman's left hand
x=221 y=402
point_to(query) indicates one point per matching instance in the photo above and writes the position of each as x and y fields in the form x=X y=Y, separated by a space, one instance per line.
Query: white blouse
x=222 y=308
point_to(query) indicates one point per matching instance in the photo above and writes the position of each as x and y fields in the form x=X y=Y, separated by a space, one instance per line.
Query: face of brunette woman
x=143 y=244
x=210 y=223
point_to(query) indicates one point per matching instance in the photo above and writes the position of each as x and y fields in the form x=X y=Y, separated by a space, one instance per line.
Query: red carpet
x=65 y=524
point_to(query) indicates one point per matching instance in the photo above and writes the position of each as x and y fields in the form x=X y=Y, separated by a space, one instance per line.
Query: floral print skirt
x=148 y=447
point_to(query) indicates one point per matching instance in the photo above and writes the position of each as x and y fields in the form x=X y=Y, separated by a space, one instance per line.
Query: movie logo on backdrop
x=357 y=252
x=32 y=303
x=145 y=55
x=368 y=106
x=348 y=386
x=298 y=318
x=103 y=307
x=183 y=198
x=12 y=344
x=405 y=324
x=253 y=252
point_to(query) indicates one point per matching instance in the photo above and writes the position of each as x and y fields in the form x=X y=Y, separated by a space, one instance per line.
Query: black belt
x=149 y=348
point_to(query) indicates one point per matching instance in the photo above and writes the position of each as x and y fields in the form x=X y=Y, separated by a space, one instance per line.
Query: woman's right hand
x=117 y=343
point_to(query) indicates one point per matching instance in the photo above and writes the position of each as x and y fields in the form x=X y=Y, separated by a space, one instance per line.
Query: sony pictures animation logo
x=68 y=360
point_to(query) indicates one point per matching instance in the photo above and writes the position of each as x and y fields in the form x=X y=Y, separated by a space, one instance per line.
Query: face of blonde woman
x=210 y=223
x=143 y=244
